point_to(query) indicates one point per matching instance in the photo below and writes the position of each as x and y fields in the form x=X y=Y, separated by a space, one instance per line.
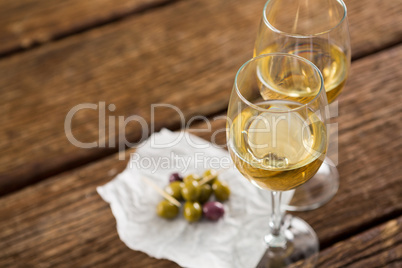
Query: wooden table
x=57 y=54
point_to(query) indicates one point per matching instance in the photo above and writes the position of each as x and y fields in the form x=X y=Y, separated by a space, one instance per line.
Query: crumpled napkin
x=236 y=240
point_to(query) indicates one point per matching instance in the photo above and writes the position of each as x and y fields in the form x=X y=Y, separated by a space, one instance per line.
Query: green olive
x=221 y=190
x=174 y=189
x=167 y=210
x=191 y=177
x=205 y=193
x=192 y=211
x=191 y=190
x=210 y=172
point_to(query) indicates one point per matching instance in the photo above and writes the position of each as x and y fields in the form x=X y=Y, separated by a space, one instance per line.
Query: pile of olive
x=196 y=192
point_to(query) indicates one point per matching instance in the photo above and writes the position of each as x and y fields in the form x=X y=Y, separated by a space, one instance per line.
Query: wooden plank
x=370 y=31
x=63 y=221
x=76 y=223
x=25 y=23
x=169 y=55
x=131 y=64
x=380 y=246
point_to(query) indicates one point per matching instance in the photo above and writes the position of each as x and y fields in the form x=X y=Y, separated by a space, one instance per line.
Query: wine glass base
x=301 y=248
x=317 y=191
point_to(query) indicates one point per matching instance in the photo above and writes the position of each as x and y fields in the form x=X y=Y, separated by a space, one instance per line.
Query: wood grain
x=167 y=55
x=380 y=246
x=130 y=64
x=25 y=23
x=373 y=25
x=63 y=222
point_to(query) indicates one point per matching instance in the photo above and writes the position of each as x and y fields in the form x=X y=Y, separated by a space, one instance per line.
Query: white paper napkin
x=233 y=241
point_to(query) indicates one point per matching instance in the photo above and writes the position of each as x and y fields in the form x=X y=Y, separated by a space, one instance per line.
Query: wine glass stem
x=276 y=213
x=276 y=237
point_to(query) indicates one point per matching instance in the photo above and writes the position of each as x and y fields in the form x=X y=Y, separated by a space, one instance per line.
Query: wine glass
x=318 y=31
x=277 y=138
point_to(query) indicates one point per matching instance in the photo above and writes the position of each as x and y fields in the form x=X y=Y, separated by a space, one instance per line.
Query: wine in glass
x=277 y=138
x=318 y=31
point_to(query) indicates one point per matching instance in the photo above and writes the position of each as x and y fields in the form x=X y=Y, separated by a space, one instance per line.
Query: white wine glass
x=277 y=139
x=318 y=31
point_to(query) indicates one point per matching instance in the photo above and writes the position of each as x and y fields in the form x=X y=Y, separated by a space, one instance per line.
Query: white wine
x=280 y=148
x=329 y=58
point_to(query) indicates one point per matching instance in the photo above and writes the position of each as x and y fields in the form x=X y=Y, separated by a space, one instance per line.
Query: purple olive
x=175 y=177
x=213 y=210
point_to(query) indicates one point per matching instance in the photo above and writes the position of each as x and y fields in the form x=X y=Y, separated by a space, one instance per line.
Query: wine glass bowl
x=280 y=129
x=277 y=138
x=316 y=30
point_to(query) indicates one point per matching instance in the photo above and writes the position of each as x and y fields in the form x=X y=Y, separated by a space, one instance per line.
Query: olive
x=213 y=210
x=175 y=177
x=191 y=177
x=192 y=211
x=190 y=190
x=221 y=190
x=210 y=172
x=167 y=210
x=205 y=193
x=174 y=189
